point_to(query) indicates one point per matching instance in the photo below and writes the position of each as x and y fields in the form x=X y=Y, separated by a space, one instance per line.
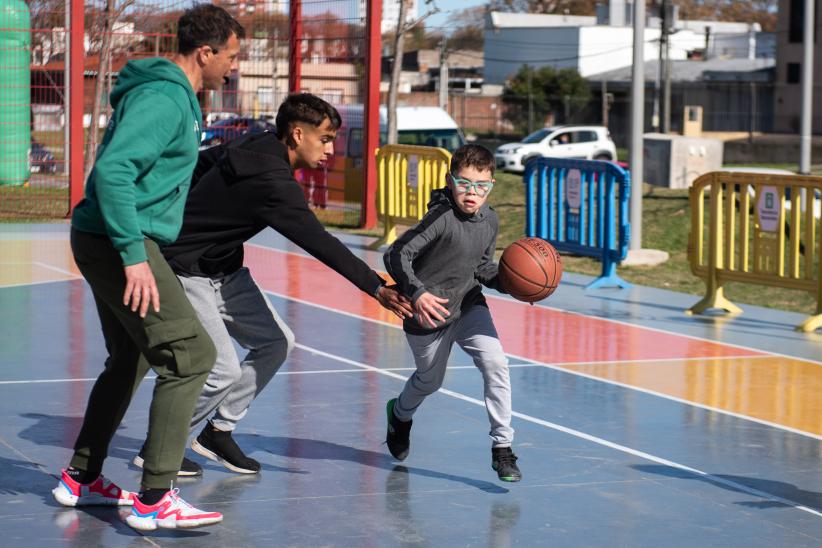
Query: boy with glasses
x=440 y=265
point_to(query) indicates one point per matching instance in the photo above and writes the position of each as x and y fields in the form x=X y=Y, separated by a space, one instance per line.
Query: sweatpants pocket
x=183 y=342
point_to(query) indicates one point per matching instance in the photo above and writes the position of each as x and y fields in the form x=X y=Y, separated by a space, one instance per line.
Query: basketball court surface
x=636 y=425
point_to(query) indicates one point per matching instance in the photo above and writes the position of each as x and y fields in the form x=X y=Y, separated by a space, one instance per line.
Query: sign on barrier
x=406 y=175
x=757 y=228
x=580 y=207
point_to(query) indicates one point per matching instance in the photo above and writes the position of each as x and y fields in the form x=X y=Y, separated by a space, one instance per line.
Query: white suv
x=581 y=142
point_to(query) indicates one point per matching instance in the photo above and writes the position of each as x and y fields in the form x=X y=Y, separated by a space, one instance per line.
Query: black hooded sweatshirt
x=237 y=190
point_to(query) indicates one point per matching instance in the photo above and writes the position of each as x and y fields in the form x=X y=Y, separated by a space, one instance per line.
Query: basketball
x=530 y=269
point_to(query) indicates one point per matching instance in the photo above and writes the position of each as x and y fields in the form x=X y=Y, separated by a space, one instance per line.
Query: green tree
x=534 y=94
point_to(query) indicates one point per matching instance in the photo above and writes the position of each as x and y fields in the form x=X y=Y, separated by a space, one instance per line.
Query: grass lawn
x=34 y=203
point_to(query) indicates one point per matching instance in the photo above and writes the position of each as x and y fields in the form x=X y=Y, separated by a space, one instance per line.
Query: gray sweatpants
x=234 y=307
x=474 y=331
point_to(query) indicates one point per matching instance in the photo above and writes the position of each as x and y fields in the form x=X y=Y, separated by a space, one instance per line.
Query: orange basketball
x=530 y=269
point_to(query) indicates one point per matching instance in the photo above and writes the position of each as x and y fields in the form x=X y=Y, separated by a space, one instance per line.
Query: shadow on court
x=303 y=448
x=779 y=489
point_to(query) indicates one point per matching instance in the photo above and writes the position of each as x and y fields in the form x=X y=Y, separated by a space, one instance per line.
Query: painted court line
x=279 y=373
x=599 y=379
x=57 y=269
x=672 y=398
x=584 y=436
x=561 y=310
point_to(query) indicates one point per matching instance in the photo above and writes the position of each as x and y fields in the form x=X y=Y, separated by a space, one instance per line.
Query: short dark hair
x=305 y=108
x=476 y=156
x=206 y=25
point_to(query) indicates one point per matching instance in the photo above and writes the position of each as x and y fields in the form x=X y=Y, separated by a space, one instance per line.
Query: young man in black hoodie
x=441 y=264
x=238 y=190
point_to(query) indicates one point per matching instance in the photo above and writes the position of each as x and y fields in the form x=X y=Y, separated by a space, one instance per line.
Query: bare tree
x=110 y=16
x=403 y=26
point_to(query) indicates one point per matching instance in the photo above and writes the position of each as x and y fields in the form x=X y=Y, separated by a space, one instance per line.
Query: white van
x=341 y=179
x=423 y=126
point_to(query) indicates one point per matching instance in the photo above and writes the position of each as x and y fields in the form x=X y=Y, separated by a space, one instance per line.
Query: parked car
x=231 y=128
x=41 y=159
x=580 y=142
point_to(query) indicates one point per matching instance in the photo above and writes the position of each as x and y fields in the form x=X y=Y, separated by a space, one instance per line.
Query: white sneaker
x=171 y=512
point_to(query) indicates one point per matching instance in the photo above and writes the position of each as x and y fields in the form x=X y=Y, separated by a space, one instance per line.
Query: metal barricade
x=757 y=228
x=580 y=207
x=406 y=175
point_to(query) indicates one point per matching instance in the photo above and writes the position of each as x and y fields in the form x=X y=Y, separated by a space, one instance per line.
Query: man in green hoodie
x=133 y=203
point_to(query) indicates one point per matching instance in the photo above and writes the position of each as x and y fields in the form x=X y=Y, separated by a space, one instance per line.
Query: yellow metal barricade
x=757 y=228
x=406 y=175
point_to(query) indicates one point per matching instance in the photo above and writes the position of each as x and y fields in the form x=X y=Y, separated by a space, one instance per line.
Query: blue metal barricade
x=580 y=207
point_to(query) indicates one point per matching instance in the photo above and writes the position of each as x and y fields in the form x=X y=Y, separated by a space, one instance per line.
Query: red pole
x=75 y=114
x=371 y=123
x=295 y=44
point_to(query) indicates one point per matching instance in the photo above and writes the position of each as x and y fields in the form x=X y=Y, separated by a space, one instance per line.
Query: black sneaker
x=398 y=437
x=221 y=447
x=188 y=468
x=504 y=461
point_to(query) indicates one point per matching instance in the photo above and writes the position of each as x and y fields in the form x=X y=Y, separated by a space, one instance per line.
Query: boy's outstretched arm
x=286 y=211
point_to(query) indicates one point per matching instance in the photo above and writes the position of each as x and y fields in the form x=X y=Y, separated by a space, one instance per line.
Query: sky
x=447 y=10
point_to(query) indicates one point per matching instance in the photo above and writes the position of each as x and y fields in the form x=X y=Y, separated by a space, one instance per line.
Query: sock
x=151 y=497
x=81 y=476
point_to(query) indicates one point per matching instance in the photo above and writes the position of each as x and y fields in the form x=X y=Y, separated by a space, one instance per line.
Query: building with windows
x=788 y=96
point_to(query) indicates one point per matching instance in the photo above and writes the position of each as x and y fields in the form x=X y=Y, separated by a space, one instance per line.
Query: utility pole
x=443 y=96
x=637 y=124
x=396 y=66
x=806 y=123
x=665 y=45
x=604 y=92
x=530 y=102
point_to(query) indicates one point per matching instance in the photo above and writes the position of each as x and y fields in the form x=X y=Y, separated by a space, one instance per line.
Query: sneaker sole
x=211 y=455
x=67 y=499
x=152 y=524
x=138 y=462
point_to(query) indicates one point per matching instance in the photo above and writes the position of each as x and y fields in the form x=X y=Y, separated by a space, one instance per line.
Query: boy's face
x=470 y=188
x=312 y=146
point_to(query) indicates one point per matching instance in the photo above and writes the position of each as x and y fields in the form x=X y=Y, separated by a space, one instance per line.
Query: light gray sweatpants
x=234 y=307
x=474 y=331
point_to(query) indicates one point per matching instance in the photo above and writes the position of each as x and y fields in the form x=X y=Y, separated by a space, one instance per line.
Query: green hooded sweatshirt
x=140 y=180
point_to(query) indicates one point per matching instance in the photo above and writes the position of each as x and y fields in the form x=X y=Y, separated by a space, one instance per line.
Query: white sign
x=573 y=188
x=413 y=171
x=768 y=207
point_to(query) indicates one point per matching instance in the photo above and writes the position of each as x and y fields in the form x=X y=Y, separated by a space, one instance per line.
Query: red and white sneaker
x=171 y=512
x=100 y=492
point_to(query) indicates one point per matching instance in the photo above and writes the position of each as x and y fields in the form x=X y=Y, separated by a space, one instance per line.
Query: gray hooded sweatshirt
x=448 y=254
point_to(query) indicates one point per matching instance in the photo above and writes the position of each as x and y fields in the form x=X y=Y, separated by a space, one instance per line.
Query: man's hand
x=141 y=289
x=429 y=308
x=390 y=298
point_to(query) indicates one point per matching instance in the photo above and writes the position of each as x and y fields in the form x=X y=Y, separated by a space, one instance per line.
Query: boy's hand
x=430 y=309
x=141 y=289
x=390 y=298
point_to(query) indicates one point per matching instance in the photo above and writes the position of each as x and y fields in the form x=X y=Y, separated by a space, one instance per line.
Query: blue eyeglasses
x=464 y=185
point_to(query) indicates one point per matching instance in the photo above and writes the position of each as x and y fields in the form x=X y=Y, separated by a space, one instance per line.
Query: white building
x=591 y=46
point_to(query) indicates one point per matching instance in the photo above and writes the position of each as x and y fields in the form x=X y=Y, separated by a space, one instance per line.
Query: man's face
x=314 y=146
x=470 y=188
x=217 y=66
